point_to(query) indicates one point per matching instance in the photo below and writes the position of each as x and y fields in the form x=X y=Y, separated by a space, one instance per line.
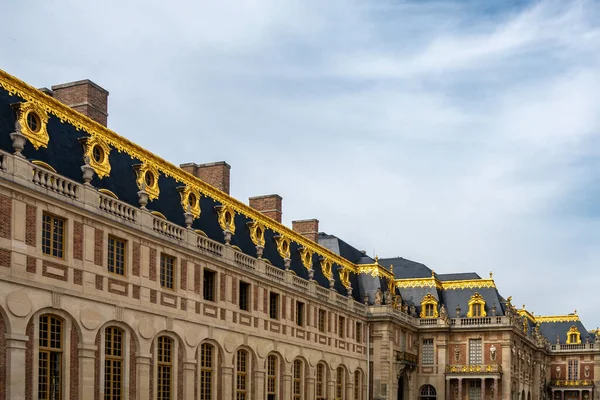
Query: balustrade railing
x=322 y=292
x=574 y=347
x=245 y=260
x=209 y=246
x=275 y=273
x=118 y=208
x=572 y=383
x=3 y=161
x=56 y=183
x=474 y=369
x=299 y=282
x=167 y=228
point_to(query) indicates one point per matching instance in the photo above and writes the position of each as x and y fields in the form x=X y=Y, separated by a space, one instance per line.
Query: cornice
x=557 y=318
x=81 y=122
x=444 y=285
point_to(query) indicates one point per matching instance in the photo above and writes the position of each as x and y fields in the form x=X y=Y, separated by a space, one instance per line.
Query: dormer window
x=573 y=336
x=429 y=307
x=476 y=306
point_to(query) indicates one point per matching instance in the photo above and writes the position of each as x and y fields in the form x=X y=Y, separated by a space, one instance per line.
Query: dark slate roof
x=458 y=277
x=461 y=297
x=406 y=269
x=553 y=329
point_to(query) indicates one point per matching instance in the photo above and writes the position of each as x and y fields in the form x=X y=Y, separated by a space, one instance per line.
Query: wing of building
x=123 y=276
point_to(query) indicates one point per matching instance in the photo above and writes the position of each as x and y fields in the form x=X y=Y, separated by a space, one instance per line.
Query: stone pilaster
x=15 y=358
x=87 y=376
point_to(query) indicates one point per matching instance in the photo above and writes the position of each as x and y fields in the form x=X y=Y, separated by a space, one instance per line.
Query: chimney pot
x=216 y=174
x=270 y=205
x=309 y=228
x=85 y=97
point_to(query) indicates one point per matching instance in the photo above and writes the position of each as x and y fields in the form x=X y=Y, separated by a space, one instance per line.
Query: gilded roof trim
x=375 y=270
x=81 y=122
x=446 y=285
x=558 y=318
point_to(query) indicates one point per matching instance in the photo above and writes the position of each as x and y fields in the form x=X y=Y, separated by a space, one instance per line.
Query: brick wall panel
x=98 y=247
x=183 y=274
x=5 y=258
x=5 y=217
x=255 y=298
x=132 y=368
x=97 y=369
x=30 y=225
x=77 y=240
x=223 y=285
x=197 y=271
x=135 y=259
x=29 y=362
x=283 y=307
x=152 y=266
x=31 y=265
x=234 y=288
x=180 y=371
x=74 y=379
x=2 y=359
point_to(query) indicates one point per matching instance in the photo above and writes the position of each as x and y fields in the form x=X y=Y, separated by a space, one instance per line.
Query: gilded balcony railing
x=474 y=369
x=404 y=357
x=576 y=383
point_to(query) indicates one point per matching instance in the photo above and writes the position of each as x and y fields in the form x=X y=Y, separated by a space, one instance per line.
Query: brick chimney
x=309 y=228
x=84 y=96
x=270 y=205
x=215 y=174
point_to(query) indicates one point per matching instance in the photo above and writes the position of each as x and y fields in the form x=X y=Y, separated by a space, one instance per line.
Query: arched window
x=207 y=355
x=340 y=383
x=358 y=387
x=428 y=392
x=241 y=375
x=50 y=357
x=429 y=306
x=476 y=306
x=165 y=368
x=321 y=394
x=113 y=363
x=272 y=372
x=298 y=376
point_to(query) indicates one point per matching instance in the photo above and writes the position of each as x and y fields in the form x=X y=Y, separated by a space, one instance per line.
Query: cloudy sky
x=465 y=135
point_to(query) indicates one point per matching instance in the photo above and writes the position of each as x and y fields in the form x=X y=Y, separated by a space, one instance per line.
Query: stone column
x=227 y=382
x=287 y=386
x=460 y=383
x=189 y=375
x=350 y=390
x=143 y=375
x=580 y=391
x=87 y=368
x=310 y=389
x=331 y=389
x=495 y=389
x=259 y=382
x=483 y=388
x=15 y=365
x=448 y=388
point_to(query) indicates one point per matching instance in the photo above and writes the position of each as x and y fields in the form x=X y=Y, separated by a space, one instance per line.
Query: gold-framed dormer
x=97 y=151
x=476 y=306
x=429 y=307
x=190 y=200
x=573 y=335
x=147 y=179
x=31 y=123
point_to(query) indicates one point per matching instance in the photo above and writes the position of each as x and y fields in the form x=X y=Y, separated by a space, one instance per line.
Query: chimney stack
x=309 y=228
x=216 y=174
x=85 y=97
x=270 y=205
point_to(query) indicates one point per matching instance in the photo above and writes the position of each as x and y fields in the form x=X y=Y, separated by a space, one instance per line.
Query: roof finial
x=432 y=273
x=376 y=259
x=523 y=306
x=392 y=268
x=575 y=311
x=491 y=275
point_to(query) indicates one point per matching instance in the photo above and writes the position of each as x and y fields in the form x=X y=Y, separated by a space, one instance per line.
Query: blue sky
x=463 y=134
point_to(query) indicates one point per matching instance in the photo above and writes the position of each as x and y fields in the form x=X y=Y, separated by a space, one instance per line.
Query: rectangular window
x=273 y=305
x=206 y=369
x=297 y=383
x=209 y=285
x=299 y=313
x=271 y=378
x=427 y=352
x=475 y=390
x=116 y=255
x=573 y=371
x=167 y=271
x=53 y=235
x=322 y=318
x=320 y=381
x=50 y=358
x=429 y=310
x=244 y=296
x=241 y=381
x=341 y=326
x=475 y=351
x=165 y=368
x=358 y=335
x=113 y=363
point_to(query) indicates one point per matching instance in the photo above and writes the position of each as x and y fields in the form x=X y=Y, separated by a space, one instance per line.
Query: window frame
x=206 y=379
x=475 y=351
x=358 y=385
x=162 y=271
x=272 y=375
x=341 y=326
x=297 y=379
x=573 y=369
x=162 y=365
x=51 y=239
x=300 y=313
x=322 y=320
x=108 y=255
x=241 y=376
x=114 y=359
x=358 y=330
x=209 y=289
x=320 y=382
x=274 y=306
x=244 y=300
x=427 y=352
x=340 y=383
x=50 y=350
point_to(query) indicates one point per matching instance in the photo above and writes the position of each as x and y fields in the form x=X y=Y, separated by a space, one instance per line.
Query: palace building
x=123 y=276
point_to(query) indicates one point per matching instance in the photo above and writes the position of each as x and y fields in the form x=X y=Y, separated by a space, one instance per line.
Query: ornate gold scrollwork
x=97 y=152
x=31 y=123
x=573 y=336
x=476 y=306
x=344 y=276
x=257 y=233
x=326 y=265
x=226 y=218
x=147 y=179
x=283 y=246
x=306 y=256
x=190 y=200
x=429 y=307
